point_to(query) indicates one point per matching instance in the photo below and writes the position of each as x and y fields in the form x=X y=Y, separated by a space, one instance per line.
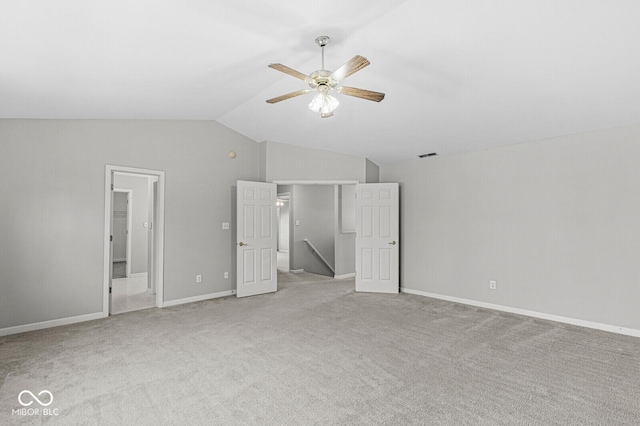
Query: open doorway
x=321 y=228
x=374 y=244
x=134 y=224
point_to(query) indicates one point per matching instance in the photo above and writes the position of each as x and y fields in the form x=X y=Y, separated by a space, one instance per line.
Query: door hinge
x=111 y=239
x=112 y=187
x=110 y=290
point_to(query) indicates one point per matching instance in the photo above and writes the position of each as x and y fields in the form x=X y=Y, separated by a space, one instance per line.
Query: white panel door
x=256 y=239
x=377 y=238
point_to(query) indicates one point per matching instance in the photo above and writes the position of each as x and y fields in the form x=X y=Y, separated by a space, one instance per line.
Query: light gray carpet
x=319 y=353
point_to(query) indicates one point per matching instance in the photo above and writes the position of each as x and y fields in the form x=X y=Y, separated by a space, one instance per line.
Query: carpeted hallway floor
x=319 y=353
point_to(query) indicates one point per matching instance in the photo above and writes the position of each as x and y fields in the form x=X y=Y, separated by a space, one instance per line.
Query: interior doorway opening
x=319 y=220
x=134 y=239
x=376 y=237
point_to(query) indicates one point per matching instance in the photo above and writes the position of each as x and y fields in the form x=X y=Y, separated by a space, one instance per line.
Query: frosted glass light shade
x=323 y=104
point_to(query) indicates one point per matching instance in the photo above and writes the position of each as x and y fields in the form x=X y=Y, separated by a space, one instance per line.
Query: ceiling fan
x=323 y=81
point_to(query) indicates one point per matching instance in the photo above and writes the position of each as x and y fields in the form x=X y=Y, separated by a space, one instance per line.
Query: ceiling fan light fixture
x=323 y=81
x=324 y=104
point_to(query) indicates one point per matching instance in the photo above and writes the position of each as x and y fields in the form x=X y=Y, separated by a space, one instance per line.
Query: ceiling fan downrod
x=322 y=41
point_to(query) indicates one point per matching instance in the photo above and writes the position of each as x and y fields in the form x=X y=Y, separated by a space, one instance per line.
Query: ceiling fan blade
x=285 y=69
x=288 y=96
x=354 y=65
x=361 y=93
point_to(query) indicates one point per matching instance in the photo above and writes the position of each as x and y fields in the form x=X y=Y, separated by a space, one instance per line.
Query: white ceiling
x=458 y=75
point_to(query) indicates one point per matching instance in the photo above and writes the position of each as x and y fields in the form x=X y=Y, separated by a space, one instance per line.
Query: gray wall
x=139 y=211
x=345 y=237
x=288 y=162
x=556 y=223
x=283 y=226
x=53 y=174
x=313 y=206
x=372 y=172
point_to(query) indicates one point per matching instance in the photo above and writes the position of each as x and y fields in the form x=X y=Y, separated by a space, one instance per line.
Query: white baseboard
x=345 y=276
x=296 y=271
x=138 y=275
x=198 y=298
x=48 y=324
x=573 y=321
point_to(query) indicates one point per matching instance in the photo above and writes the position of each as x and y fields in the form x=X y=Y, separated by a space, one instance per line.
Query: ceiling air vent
x=432 y=154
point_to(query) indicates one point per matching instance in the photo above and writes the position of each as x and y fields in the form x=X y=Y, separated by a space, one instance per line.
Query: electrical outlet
x=198 y=278
x=225 y=225
x=226 y=275
x=492 y=285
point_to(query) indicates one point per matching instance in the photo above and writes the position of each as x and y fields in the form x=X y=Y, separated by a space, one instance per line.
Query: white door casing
x=377 y=238
x=110 y=209
x=158 y=229
x=256 y=241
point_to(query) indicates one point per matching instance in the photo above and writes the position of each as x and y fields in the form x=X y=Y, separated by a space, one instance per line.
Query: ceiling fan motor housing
x=322 y=78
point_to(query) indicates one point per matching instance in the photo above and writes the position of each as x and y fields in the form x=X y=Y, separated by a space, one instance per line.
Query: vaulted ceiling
x=458 y=75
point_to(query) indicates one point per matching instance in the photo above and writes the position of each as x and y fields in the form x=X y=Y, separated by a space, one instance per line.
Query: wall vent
x=431 y=154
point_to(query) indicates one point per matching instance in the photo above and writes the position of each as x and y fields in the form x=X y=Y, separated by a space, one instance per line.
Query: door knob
x=393 y=243
x=242 y=244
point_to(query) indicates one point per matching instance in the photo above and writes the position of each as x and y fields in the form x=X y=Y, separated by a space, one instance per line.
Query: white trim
x=573 y=321
x=316 y=182
x=119 y=260
x=48 y=324
x=344 y=276
x=139 y=275
x=199 y=298
x=159 y=227
x=296 y=271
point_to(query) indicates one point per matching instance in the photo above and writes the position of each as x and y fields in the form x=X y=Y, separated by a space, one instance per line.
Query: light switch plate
x=225 y=225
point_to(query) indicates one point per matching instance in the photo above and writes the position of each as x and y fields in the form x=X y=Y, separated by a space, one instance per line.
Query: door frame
x=159 y=231
x=129 y=223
